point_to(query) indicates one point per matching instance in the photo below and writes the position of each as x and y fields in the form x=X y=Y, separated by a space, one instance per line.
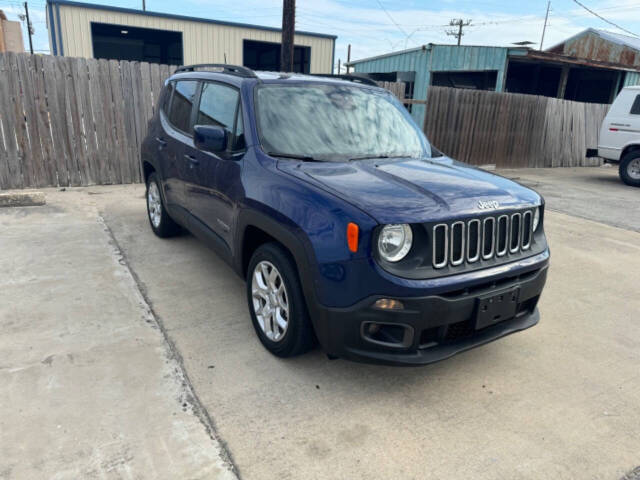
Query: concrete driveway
x=557 y=401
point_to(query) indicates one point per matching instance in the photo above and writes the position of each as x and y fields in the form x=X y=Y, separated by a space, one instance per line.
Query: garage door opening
x=266 y=56
x=122 y=42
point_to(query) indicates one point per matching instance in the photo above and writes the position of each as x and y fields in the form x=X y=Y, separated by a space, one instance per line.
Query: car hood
x=413 y=190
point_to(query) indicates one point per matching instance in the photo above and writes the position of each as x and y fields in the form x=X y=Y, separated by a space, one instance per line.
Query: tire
x=630 y=168
x=161 y=223
x=297 y=337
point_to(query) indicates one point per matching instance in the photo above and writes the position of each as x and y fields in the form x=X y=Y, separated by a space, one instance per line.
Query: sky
x=374 y=27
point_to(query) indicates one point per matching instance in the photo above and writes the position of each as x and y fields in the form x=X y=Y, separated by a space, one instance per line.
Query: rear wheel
x=630 y=168
x=276 y=303
x=161 y=223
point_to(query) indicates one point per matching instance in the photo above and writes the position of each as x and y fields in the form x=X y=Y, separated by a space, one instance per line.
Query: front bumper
x=429 y=328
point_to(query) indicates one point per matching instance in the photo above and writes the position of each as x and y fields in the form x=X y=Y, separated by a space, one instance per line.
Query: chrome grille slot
x=440 y=245
x=480 y=239
x=488 y=237
x=457 y=243
x=515 y=234
x=474 y=243
x=527 y=229
x=502 y=240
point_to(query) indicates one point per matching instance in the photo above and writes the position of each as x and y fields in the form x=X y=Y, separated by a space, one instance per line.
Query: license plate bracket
x=496 y=307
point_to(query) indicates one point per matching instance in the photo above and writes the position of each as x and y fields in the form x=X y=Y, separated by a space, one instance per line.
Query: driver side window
x=219 y=107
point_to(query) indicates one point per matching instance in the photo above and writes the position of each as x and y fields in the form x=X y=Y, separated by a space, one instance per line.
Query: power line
x=391 y=18
x=604 y=19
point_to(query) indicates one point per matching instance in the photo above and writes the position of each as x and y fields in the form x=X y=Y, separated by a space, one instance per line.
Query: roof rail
x=222 y=67
x=352 y=77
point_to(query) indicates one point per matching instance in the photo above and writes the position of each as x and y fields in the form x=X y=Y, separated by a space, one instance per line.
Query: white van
x=619 y=140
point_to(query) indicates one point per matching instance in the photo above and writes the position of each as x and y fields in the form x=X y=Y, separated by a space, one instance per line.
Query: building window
x=485 y=80
x=266 y=56
x=122 y=42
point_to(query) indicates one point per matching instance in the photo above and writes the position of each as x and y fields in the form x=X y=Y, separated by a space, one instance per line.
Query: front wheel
x=630 y=169
x=276 y=303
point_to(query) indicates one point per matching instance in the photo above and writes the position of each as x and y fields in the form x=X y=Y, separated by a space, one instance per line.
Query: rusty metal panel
x=594 y=47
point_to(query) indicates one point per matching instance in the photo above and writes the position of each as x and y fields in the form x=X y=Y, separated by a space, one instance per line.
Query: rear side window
x=219 y=106
x=167 y=97
x=182 y=104
x=635 y=108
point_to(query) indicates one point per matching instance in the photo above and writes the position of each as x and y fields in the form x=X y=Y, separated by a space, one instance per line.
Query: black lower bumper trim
x=432 y=328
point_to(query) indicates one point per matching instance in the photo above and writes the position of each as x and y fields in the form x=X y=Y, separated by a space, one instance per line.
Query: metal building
x=554 y=73
x=100 y=31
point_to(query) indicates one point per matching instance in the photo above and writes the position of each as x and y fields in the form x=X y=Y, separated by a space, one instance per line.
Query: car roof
x=268 y=78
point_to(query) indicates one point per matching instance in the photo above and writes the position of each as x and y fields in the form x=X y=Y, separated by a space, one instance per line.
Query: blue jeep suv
x=349 y=228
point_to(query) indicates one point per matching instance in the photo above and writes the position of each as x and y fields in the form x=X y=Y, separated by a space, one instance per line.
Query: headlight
x=536 y=219
x=394 y=242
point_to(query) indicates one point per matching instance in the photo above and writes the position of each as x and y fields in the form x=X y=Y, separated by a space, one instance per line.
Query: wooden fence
x=512 y=130
x=72 y=121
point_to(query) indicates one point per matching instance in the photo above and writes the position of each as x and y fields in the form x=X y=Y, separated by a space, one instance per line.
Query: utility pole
x=348 y=58
x=144 y=5
x=29 y=26
x=544 y=29
x=288 y=27
x=460 y=24
x=338 y=66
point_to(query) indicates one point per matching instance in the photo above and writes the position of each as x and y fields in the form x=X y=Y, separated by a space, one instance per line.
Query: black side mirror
x=209 y=138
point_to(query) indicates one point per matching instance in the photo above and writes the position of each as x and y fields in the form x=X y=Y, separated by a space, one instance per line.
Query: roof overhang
x=132 y=11
x=557 y=58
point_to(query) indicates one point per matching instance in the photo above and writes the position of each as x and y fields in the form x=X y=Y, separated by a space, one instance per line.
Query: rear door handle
x=161 y=142
x=193 y=160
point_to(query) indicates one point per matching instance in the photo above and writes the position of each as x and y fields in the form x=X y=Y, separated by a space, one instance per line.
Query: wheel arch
x=634 y=147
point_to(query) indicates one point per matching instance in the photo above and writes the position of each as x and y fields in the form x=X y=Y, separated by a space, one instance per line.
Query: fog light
x=388 y=304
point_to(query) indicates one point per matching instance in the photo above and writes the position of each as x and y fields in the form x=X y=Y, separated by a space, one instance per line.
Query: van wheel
x=161 y=223
x=276 y=303
x=630 y=168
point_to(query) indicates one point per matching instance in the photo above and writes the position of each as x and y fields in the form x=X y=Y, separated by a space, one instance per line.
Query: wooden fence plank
x=123 y=173
x=10 y=173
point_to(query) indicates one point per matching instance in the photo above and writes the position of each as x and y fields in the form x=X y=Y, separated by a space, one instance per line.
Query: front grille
x=478 y=239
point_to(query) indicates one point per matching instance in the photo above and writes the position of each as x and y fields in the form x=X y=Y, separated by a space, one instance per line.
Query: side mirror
x=209 y=138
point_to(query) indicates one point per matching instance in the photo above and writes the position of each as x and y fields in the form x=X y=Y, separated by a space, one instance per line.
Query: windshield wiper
x=368 y=157
x=306 y=158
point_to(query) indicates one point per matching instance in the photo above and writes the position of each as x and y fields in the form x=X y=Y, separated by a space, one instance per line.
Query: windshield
x=336 y=123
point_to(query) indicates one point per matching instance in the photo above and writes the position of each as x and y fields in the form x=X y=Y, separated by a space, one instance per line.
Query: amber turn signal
x=352 y=236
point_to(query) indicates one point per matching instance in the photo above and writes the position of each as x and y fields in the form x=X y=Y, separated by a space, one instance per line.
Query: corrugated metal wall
x=591 y=46
x=438 y=58
x=202 y=42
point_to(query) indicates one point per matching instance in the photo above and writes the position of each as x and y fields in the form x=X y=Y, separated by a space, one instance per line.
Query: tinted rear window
x=635 y=108
x=182 y=104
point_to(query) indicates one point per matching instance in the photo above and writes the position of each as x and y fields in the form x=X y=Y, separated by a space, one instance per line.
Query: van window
x=181 y=105
x=635 y=108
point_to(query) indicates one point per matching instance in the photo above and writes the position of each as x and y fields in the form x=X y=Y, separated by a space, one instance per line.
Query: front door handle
x=193 y=160
x=161 y=142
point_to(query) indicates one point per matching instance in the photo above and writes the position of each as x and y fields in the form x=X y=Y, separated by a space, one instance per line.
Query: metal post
x=544 y=29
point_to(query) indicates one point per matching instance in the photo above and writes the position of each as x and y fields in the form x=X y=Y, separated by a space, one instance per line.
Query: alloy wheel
x=270 y=300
